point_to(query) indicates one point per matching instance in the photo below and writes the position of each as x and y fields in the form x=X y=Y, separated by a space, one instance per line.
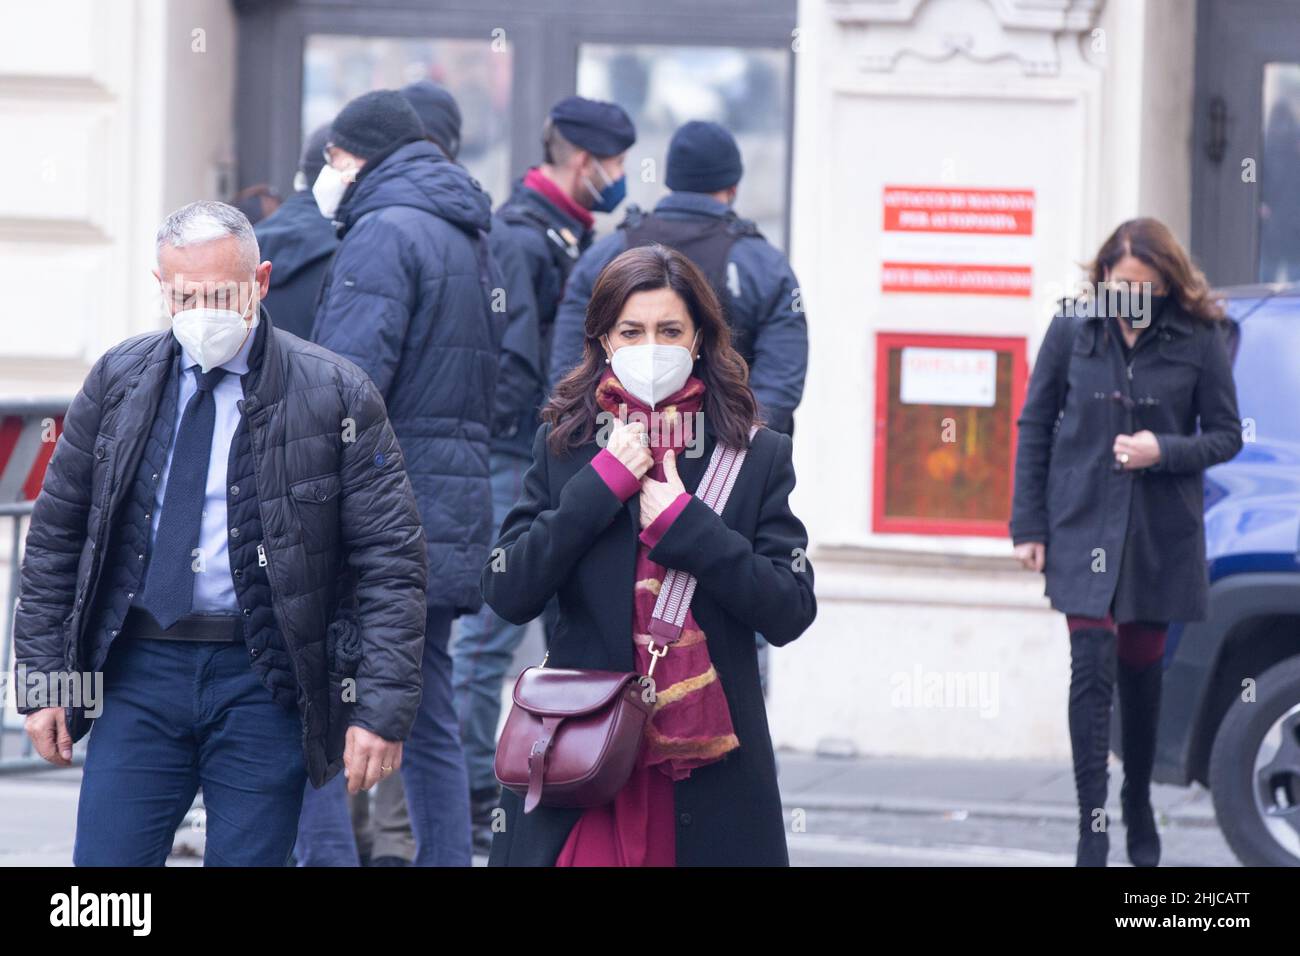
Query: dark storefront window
x=746 y=89
x=338 y=68
x=1279 y=200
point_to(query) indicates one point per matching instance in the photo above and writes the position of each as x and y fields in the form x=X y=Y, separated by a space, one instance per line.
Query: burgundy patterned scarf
x=691 y=724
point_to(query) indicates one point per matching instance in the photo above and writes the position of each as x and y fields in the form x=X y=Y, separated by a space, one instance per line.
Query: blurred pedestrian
x=408 y=298
x=187 y=543
x=751 y=277
x=1131 y=399
x=381 y=822
x=537 y=236
x=439 y=114
x=257 y=202
x=602 y=526
x=299 y=243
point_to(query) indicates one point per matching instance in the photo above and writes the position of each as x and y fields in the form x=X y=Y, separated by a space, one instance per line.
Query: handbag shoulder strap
x=678 y=586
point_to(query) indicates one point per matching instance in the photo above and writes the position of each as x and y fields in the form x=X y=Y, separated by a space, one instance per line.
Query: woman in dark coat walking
x=607 y=507
x=1130 y=400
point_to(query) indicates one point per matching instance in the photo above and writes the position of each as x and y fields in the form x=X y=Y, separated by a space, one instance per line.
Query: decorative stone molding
x=879 y=33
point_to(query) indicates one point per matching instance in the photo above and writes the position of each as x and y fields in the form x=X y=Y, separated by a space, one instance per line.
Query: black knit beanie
x=375 y=121
x=438 y=112
x=702 y=158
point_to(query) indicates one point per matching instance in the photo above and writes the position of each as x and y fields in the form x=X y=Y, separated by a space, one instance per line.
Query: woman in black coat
x=1130 y=400
x=607 y=507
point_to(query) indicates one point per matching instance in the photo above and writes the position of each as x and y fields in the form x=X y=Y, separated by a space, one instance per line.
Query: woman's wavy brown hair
x=729 y=405
x=1150 y=241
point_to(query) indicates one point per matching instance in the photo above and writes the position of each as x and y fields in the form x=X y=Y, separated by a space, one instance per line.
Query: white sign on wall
x=948 y=377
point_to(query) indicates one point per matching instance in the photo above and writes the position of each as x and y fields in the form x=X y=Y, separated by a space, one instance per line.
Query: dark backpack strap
x=742 y=228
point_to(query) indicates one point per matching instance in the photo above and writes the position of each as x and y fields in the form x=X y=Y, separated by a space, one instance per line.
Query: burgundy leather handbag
x=572 y=736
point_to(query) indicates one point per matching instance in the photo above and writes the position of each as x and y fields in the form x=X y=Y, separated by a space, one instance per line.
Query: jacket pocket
x=1174 y=510
x=342 y=657
x=1066 y=500
x=316 y=506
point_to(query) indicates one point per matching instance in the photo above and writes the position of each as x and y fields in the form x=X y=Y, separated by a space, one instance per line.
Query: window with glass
x=1279 y=186
x=339 y=68
x=746 y=89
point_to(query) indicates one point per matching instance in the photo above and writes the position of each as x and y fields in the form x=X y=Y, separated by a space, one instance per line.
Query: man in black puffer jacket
x=409 y=299
x=227 y=542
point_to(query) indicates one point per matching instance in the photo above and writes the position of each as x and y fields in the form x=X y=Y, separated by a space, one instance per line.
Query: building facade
x=937 y=169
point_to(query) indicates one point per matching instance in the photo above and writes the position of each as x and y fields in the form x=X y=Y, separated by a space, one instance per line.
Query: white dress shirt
x=214 y=587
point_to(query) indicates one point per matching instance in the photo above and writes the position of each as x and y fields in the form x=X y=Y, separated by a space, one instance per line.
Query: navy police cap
x=603 y=129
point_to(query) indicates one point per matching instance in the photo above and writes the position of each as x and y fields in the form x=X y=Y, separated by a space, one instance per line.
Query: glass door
x=1246 y=141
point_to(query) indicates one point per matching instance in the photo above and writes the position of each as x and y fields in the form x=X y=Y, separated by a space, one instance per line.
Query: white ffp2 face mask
x=652 y=372
x=329 y=188
x=213 y=336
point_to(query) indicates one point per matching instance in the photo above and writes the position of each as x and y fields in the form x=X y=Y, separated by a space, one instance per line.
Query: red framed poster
x=946 y=409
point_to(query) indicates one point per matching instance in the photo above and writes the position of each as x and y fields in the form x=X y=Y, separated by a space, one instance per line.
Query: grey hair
x=205 y=221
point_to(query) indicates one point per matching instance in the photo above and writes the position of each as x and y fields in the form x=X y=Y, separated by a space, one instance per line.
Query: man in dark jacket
x=536 y=236
x=381 y=827
x=226 y=536
x=298 y=241
x=752 y=277
x=548 y=218
x=408 y=299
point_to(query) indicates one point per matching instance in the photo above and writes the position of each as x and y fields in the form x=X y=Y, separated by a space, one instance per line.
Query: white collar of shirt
x=238 y=365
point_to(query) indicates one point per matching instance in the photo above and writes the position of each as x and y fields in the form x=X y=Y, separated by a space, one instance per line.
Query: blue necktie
x=169 y=579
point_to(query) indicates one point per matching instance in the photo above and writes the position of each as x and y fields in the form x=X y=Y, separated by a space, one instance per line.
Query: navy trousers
x=179 y=716
x=433 y=775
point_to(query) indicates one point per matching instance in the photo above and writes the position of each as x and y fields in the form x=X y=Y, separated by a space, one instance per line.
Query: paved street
x=882 y=812
x=840 y=811
x=850 y=812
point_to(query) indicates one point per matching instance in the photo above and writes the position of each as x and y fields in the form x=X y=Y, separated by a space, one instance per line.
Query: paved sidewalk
x=1041 y=790
x=38 y=809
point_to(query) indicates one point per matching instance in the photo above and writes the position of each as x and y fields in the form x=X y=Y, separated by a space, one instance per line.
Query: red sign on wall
x=988 y=212
x=962 y=278
x=957 y=240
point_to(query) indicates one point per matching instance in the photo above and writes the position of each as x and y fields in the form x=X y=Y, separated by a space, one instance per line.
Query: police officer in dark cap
x=546 y=224
x=753 y=278
x=549 y=213
x=548 y=219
